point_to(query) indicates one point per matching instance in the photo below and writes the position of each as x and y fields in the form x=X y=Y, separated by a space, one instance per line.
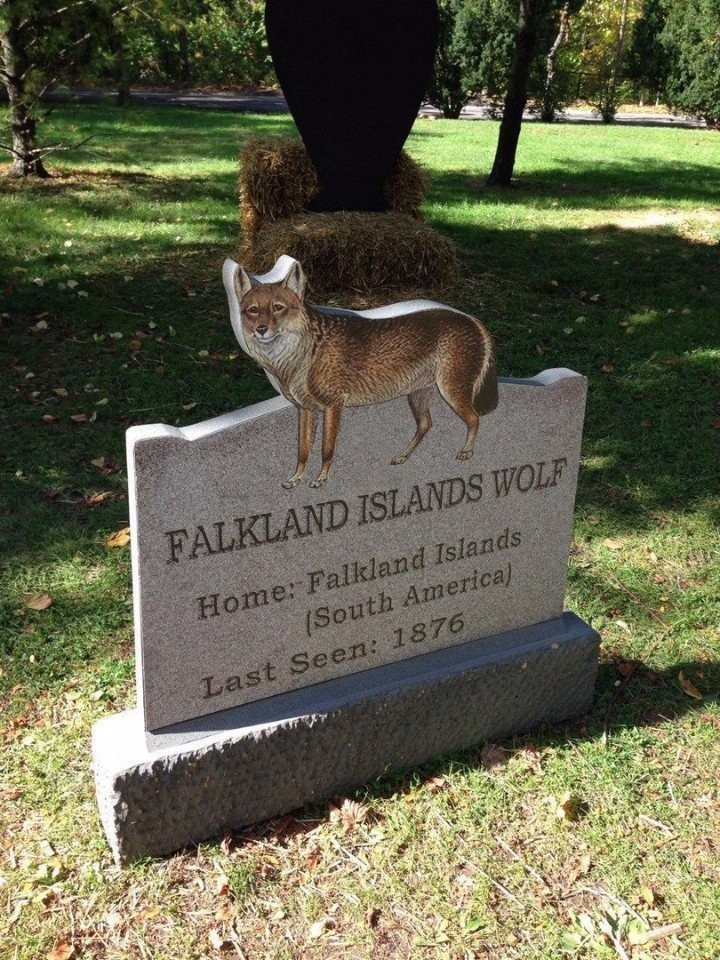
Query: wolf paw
x=289 y=484
x=465 y=455
x=318 y=483
x=396 y=460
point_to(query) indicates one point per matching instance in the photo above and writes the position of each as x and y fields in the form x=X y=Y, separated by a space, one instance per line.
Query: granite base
x=162 y=791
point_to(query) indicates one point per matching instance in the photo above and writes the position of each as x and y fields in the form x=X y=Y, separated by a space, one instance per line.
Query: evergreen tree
x=691 y=37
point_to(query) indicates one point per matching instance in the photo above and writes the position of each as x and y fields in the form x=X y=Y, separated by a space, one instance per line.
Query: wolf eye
x=252 y=309
x=278 y=306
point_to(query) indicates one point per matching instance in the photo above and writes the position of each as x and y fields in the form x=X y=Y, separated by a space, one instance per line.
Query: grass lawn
x=598 y=838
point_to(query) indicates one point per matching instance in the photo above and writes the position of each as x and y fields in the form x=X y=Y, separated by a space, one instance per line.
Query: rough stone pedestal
x=245 y=765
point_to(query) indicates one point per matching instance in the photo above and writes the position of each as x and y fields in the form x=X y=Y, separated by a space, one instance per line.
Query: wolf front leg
x=307 y=422
x=331 y=428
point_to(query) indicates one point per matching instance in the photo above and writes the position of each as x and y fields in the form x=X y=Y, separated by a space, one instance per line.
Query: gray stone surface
x=485 y=543
x=339 y=734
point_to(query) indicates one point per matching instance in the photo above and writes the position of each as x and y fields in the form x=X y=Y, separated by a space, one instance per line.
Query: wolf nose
x=262 y=330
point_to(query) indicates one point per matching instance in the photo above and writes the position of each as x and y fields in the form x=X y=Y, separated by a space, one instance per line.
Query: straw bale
x=357 y=251
x=278 y=180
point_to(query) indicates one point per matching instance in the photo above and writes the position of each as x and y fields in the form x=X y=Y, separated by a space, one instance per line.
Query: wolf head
x=263 y=307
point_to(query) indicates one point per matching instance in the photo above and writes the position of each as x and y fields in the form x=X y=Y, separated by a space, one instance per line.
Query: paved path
x=275 y=103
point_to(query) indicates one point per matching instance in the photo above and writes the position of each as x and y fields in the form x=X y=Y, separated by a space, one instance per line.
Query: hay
x=357 y=251
x=278 y=180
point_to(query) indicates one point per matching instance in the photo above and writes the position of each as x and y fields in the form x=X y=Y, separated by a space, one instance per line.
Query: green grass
x=604 y=258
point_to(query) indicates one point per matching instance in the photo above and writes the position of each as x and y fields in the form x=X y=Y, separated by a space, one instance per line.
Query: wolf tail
x=485 y=392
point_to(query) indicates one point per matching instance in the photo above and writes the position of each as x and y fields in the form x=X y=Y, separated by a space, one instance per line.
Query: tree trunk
x=549 y=107
x=26 y=154
x=184 y=57
x=516 y=96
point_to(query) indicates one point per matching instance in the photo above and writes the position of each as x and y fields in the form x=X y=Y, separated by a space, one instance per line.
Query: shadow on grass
x=648 y=699
x=632 y=310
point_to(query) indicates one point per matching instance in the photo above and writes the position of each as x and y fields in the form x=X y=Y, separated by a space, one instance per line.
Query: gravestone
x=294 y=642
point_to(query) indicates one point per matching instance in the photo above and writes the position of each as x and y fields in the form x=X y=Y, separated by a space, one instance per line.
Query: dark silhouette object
x=354 y=73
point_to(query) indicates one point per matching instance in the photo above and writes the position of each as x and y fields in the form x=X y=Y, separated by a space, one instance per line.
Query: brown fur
x=323 y=362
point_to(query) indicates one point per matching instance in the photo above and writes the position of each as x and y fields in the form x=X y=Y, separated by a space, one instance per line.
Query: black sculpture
x=353 y=73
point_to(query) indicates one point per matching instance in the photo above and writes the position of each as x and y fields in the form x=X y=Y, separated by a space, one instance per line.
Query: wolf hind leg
x=419 y=401
x=307 y=423
x=458 y=394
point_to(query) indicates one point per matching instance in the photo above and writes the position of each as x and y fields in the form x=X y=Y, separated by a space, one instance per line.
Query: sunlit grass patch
x=603 y=258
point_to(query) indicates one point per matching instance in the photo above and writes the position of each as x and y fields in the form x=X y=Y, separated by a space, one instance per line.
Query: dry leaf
x=63 y=950
x=98 y=462
x=189 y=406
x=98 y=497
x=612 y=544
x=647 y=895
x=224 y=913
x=78 y=417
x=113 y=919
x=120 y=538
x=134 y=345
x=217 y=941
x=372 y=917
x=435 y=784
x=570 y=807
x=493 y=756
x=60 y=392
x=318 y=929
x=689 y=687
x=37 y=601
x=49 y=418
x=227 y=843
x=352 y=813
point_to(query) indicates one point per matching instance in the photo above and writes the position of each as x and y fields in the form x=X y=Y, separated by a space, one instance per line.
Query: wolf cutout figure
x=323 y=359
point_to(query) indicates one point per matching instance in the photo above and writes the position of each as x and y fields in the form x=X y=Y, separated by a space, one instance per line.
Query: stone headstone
x=292 y=643
x=245 y=590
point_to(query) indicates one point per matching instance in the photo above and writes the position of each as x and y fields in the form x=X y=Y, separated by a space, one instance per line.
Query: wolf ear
x=242 y=282
x=295 y=280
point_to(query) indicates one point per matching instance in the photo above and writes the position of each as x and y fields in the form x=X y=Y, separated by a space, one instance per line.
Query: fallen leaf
x=189 y=406
x=570 y=807
x=98 y=462
x=372 y=917
x=40 y=325
x=78 y=417
x=63 y=950
x=689 y=687
x=98 y=497
x=49 y=418
x=224 y=913
x=350 y=813
x=120 y=538
x=134 y=345
x=60 y=392
x=493 y=756
x=217 y=941
x=435 y=784
x=318 y=929
x=71 y=284
x=37 y=601
x=612 y=544
x=647 y=895
x=607 y=367
x=626 y=669
x=113 y=919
